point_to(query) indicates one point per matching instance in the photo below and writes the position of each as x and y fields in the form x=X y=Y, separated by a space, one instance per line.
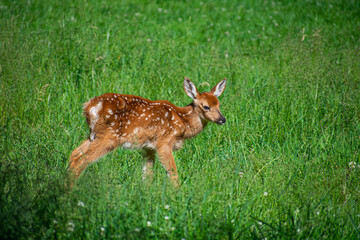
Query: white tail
x=155 y=126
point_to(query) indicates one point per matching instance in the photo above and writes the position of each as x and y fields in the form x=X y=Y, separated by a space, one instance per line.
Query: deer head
x=207 y=104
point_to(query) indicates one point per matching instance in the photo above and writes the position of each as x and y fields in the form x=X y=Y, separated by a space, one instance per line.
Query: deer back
x=134 y=122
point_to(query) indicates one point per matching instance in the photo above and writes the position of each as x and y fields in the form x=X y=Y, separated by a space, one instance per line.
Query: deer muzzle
x=221 y=120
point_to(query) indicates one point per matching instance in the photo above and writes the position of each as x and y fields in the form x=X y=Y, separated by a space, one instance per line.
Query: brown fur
x=135 y=122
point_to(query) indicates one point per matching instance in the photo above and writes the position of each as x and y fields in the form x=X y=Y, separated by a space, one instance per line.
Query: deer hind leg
x=79 y=151
x=149 y=156
x=167 y=160
x=87 y=153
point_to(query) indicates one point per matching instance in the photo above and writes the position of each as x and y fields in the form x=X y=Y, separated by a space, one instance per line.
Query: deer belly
x=178 y=144
x=134 y=145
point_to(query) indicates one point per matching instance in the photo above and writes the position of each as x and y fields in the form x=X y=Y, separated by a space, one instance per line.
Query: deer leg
x=79 y=151
x=167 y=160
x=87 y=153
x=148 y=165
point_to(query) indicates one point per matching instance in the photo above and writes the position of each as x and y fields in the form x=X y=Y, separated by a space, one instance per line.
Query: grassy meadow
x=284 y=166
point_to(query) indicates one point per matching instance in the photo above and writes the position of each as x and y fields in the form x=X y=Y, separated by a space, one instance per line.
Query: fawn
x=137 y=123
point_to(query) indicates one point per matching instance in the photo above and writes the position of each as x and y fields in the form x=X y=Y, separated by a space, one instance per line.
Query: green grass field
x=284 y=166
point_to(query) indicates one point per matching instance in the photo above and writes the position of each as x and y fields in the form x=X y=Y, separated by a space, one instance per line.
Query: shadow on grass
x=28 y=203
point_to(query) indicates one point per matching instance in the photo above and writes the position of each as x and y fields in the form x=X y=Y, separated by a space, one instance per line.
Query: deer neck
x=193 y=121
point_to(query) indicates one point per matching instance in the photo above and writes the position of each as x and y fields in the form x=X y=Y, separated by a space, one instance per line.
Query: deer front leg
x=168 y=162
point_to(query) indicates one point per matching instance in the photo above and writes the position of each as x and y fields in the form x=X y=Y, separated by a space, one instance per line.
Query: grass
x=284 y=166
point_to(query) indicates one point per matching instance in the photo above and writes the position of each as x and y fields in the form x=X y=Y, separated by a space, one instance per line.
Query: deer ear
x=219 y=88
x=190 y=88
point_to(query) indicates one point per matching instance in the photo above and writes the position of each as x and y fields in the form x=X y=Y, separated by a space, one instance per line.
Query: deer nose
x=221 y=120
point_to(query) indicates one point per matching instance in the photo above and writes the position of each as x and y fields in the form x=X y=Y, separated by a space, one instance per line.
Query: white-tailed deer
x=155 y=126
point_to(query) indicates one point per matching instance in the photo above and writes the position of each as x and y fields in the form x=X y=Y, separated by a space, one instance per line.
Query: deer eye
x=207 y=108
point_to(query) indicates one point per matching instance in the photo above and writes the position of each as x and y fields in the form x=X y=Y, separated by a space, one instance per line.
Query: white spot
x=127 y=145
x=112 y=124
x=110 y=111
x=185 y=114
x=107 y=116
x=136 y=131
x=166 y=114
x=94 y=117
x=94 y=111
x=92 y=136
x=148 y=145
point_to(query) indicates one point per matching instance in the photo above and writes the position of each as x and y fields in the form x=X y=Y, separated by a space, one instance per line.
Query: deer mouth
x=221 y=120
